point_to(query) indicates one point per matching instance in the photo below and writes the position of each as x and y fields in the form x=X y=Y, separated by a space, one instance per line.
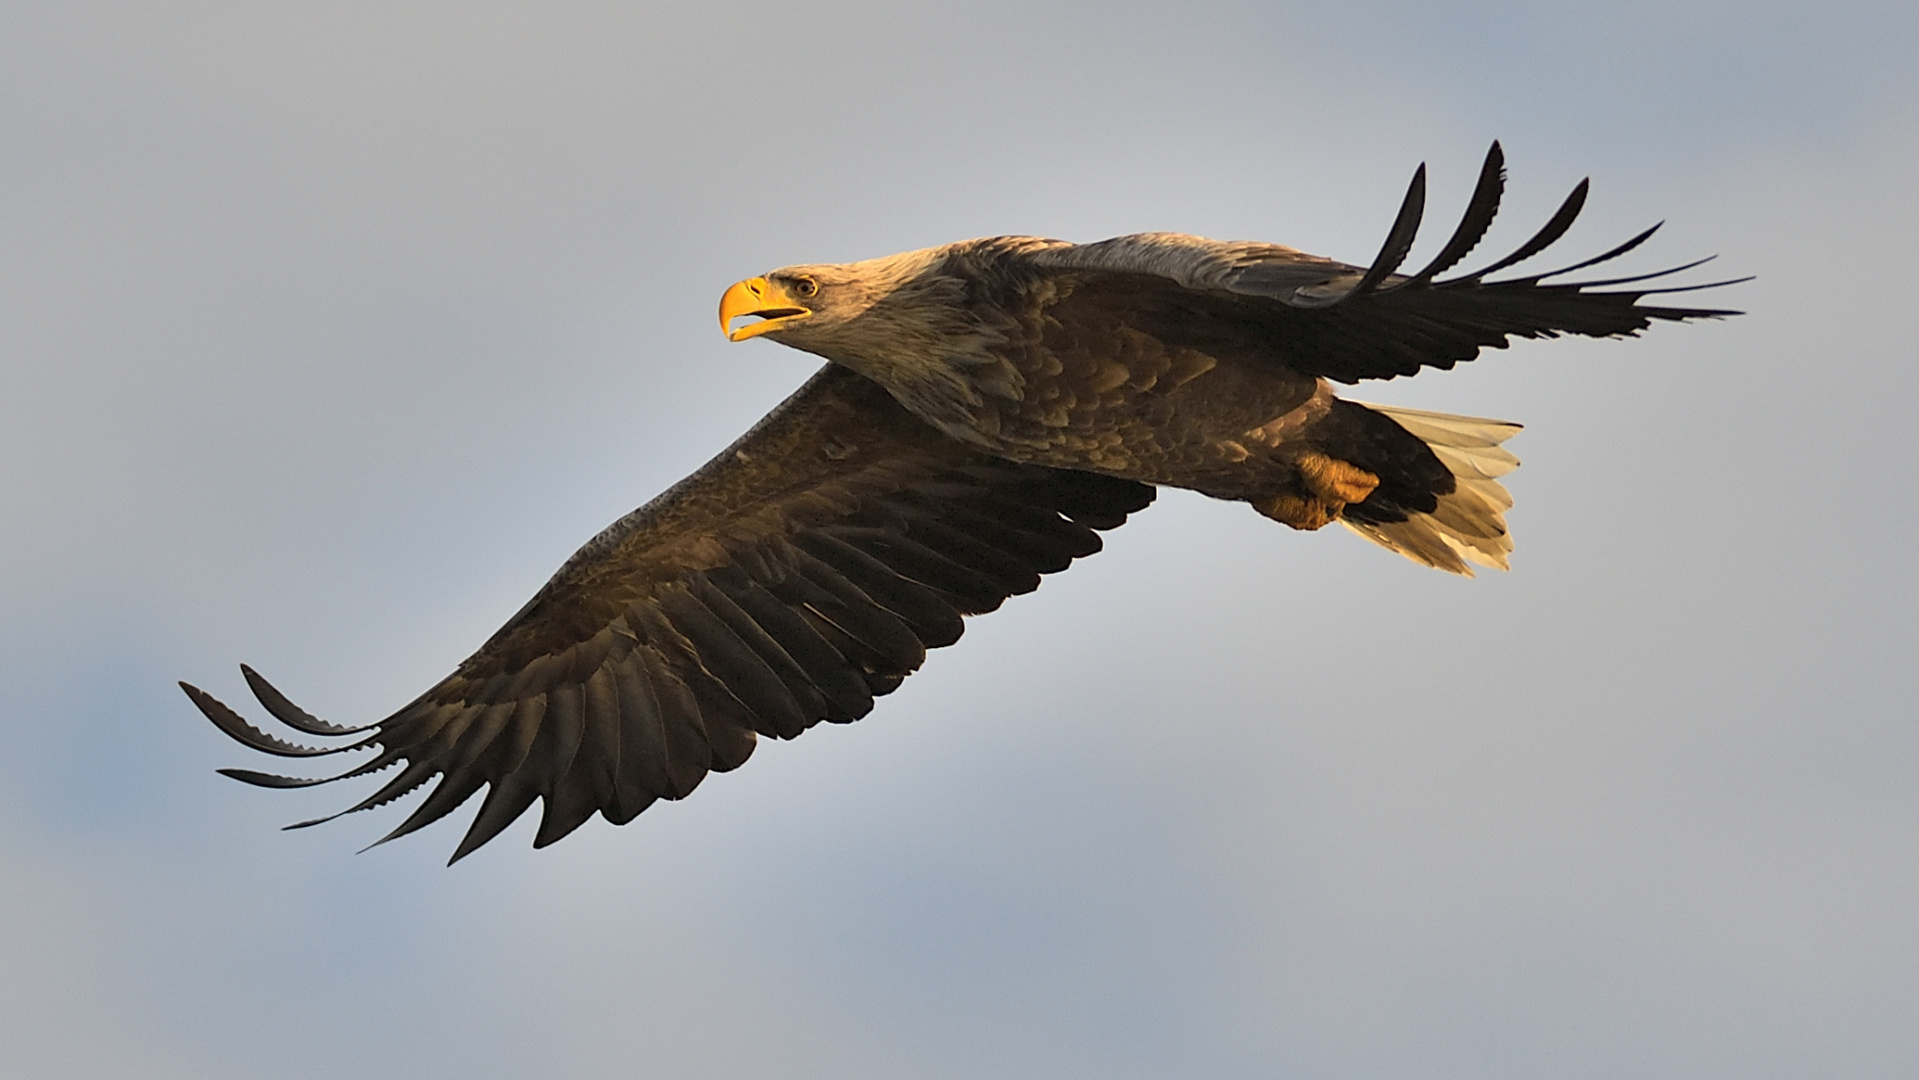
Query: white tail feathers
x=1468 y=525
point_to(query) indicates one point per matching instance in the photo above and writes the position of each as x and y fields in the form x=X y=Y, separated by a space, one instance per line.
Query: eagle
x=988 y=408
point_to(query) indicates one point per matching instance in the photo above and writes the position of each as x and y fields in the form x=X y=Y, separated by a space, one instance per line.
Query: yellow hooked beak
x=758 y=296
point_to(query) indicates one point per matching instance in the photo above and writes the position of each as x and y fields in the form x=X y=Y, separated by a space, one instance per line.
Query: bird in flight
x=988 y=409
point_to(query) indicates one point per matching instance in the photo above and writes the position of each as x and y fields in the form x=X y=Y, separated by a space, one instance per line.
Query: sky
x=327 y=332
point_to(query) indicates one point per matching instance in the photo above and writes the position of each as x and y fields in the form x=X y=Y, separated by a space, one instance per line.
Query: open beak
x=758 y=296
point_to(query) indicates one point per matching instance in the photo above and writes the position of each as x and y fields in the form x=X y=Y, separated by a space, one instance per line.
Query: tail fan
x=1469 y=524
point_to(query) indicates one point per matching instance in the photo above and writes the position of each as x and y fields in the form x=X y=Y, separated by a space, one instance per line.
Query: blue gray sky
x=327 y=332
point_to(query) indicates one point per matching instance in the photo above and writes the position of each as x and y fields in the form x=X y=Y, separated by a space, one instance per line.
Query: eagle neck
x=924 y=339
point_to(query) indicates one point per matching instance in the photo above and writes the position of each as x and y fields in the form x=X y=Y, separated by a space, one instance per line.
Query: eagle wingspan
x=1347 y=323
x=801 y=573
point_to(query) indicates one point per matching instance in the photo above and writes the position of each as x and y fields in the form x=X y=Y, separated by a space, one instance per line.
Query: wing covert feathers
x=1469 y=524
x=793 y=579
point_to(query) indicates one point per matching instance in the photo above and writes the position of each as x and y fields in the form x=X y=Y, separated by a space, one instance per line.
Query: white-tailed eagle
x=989 y=407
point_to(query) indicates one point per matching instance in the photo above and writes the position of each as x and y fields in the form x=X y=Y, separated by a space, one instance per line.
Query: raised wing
x=792 y=579
x=1348 y=323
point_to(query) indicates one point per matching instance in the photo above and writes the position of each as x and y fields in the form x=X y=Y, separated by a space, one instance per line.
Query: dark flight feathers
x=1320 y=317
x=799 y=575
x=1385 y=326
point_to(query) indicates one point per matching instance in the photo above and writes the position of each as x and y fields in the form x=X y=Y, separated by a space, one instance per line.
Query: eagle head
x=843 y=310
x=917 y=323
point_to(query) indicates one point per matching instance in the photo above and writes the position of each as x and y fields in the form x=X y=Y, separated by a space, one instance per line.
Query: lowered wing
x=794 y=578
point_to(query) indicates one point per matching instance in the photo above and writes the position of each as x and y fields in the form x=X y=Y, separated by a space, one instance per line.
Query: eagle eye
x=805 y=288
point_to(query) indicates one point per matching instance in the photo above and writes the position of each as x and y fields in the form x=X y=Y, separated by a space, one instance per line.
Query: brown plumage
x=990 y=406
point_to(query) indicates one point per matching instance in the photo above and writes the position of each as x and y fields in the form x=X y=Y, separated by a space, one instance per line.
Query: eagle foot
x=1330 y=486
x=1334 y=480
